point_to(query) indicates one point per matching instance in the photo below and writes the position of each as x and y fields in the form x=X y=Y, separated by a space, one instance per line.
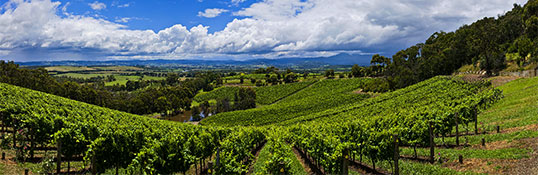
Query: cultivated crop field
x=361 y=128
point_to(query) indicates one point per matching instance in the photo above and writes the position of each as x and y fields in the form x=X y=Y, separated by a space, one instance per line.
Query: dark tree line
x=173 y=95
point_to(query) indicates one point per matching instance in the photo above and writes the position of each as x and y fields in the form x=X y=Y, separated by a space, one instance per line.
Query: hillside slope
x=512 y=151
x=319 y=96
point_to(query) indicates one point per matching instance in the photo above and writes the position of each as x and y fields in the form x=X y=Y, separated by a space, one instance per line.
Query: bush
x=377 y=85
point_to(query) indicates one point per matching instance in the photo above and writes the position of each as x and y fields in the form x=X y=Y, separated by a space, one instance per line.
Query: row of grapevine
x=341 y=122
x=422 y=95
x=107 y=138
x=270 y=94
x=235 y=152
x=320 y=96
x=277 y=157
x=371 y=135
x=264 y=95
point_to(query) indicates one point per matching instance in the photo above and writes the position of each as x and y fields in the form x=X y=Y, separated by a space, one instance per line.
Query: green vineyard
x=320 y=96
x=268 y=87
x=264 y=95
x=326 y=122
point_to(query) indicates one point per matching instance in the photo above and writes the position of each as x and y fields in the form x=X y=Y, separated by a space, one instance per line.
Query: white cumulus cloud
x=97 y=5
x=236 y=2
x=271 y=28
x=211 y=13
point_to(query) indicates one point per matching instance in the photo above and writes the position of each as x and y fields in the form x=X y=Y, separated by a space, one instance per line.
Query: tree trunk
x=475 y=123
x=415 y=149
x=59 y=157
x=373 y=164
x=32 y=144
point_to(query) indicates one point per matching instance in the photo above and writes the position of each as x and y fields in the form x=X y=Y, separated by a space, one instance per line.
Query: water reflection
x=186 y=116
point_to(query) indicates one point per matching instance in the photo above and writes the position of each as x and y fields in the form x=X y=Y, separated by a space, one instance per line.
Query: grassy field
x=79 y=75
x=84 y=68
x=120 y=79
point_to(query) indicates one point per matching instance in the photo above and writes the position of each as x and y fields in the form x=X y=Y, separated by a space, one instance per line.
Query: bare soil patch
x=500 y=80
x=495 y=81
x=495 y=145
x=532 y=127
x=527 y=165
x=488 y=166
x=11 y=166
x=372 y=95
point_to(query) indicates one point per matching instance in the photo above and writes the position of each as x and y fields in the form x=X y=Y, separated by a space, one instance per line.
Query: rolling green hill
x=264 y=95
x=319 y=96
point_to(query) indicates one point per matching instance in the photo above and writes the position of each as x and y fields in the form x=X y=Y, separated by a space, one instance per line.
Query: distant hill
x=340 y=59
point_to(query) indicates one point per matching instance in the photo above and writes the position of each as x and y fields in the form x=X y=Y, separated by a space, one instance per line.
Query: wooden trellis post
x=345 y=163
x=475 y=123
x=432 y=144
x=59 y=157
x=94 y=169
x=457 y=131
x=210 y=168
x=396 y=155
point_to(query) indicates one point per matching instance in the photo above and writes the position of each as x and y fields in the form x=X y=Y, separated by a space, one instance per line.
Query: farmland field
x=322 y=127
x=120 y=79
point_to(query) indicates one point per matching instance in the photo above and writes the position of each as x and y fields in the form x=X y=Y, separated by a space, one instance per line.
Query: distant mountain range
x=337 y=60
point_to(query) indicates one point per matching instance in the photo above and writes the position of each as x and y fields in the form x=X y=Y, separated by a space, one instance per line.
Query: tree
x=242 y=79
x=163 y=104
x=290 y=77
x=356 y=71
x=172 y=79
x=196 y=113
x=245 y=99
x=111 y=78
x=223 y=105
x=524 y=47
x=259 y=83
x=205 y=108
x=491 y=57
x=329 y=73
x=378 y=63
x=532 y=27
x=273 y=80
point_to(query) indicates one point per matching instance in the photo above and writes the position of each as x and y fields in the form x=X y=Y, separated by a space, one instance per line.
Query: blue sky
x=48 y=30
x=160 y=14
